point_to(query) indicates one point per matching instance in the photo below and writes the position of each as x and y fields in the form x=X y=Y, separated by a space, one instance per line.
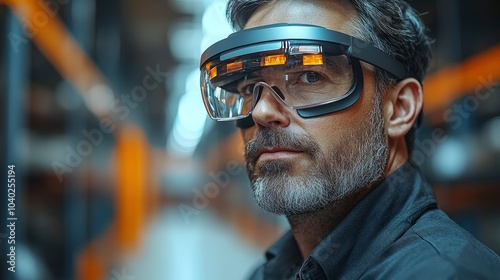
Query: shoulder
x=435 y=246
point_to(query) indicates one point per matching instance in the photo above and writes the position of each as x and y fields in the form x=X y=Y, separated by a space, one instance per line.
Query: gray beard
x=331 y=179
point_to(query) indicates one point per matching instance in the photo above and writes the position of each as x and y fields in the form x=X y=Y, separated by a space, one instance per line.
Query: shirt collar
x=283 y=258
x=368 y=229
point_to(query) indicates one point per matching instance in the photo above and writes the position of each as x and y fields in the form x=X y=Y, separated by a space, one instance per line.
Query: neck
x=398 y=155
x=310 y=228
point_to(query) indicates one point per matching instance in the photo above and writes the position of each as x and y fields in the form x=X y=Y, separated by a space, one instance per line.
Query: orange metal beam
x=132 y=170
x=469 y=77
x=42 y=25
x=132 y=183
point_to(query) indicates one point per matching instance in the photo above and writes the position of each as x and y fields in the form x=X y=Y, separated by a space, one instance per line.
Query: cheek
x=341 y=129
x=248 y=134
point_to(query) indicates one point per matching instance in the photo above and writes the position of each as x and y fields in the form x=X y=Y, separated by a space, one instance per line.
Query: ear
x=403 y=103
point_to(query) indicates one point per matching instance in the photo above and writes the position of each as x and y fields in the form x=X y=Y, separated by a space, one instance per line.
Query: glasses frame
x=265 y=38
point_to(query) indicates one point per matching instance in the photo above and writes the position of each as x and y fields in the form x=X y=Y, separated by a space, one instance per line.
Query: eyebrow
x=331 y=63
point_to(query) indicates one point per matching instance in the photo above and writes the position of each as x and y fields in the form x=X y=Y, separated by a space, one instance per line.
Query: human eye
x=246 y=88
x=310 y=77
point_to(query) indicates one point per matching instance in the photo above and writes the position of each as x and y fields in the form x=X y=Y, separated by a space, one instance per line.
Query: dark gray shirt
x=395 y=232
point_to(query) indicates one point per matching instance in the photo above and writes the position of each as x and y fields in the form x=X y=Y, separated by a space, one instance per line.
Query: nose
x=269 y=110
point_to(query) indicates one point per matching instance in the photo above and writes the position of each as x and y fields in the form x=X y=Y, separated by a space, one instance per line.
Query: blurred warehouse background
x=119 y=174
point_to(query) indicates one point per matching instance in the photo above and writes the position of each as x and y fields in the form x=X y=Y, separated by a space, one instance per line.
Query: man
x=327 y=95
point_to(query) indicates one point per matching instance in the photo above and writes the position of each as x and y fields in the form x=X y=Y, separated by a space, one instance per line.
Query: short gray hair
x=392 y=26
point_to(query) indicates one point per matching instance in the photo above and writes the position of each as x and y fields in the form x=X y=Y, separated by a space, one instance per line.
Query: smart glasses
x=310 y=69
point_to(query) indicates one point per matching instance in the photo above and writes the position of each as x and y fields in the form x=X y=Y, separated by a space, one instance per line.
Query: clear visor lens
x=299 y=80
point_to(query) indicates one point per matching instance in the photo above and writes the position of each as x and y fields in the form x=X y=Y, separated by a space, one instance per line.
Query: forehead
x=336 y=15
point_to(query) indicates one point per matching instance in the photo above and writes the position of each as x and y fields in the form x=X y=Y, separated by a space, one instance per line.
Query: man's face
x=298 y=165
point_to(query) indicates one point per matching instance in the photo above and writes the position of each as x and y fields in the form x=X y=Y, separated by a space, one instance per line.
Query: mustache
x=278 y=137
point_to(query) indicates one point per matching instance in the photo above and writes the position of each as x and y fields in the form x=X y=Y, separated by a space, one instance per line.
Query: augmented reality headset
x=308 y=68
